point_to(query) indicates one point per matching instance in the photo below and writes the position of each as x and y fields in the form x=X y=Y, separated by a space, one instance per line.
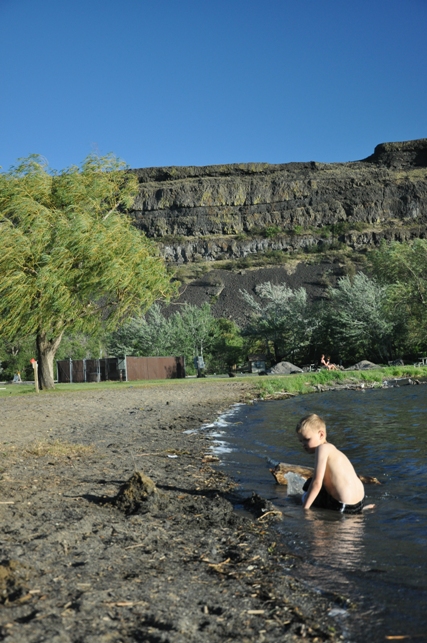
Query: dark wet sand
x=76 y=568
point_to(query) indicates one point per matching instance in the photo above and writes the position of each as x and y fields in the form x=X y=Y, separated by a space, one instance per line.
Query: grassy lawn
x=7 y=390
x=263 y=386
x=305 y=382
x=24 y=389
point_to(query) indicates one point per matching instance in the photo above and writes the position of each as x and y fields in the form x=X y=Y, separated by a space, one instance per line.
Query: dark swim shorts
x=324 y=500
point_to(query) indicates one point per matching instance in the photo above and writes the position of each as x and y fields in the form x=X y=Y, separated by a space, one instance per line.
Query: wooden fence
x=126 y=369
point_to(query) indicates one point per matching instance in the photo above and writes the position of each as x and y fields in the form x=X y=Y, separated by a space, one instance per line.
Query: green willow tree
x=281 y=317
x=70 y=259
x=187 y=332
x=356 y=323
x=402 y=268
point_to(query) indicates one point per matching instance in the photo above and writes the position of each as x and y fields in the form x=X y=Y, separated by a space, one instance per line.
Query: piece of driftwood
x=210 y=458
x=279 y=473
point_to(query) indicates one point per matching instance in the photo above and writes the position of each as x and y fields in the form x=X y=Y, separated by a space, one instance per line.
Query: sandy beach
x=86 y=559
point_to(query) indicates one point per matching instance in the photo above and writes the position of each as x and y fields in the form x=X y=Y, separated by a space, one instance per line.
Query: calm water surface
x=377 y=560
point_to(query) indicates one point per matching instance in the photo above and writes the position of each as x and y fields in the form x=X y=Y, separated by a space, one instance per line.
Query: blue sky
x=186 y=82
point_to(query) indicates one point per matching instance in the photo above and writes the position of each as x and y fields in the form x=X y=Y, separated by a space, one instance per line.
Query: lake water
x=377 y=560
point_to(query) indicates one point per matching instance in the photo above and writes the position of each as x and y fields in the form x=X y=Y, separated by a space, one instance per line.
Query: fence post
x=36 y=373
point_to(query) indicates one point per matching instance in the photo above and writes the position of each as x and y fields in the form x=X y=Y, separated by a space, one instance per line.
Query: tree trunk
x=277 y=357
x=46 y=351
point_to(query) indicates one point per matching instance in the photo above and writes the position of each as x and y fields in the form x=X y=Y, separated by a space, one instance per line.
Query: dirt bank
x=77 y=566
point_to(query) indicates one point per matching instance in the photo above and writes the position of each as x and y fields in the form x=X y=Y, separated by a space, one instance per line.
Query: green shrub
x=296 y=230
x=271 y=231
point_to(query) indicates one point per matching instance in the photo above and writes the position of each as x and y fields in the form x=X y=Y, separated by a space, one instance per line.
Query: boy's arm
x=320 y=461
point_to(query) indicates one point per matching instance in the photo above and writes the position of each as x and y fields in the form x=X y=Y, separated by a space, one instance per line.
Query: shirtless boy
x=334 y=484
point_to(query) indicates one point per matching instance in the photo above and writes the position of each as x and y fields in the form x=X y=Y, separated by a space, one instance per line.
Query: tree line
x=378 y=317
x=78 y=280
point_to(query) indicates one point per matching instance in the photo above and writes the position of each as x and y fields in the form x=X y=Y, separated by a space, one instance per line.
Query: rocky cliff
x=231 y=211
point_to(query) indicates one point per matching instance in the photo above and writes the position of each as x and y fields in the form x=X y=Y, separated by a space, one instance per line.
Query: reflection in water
x=336 y=540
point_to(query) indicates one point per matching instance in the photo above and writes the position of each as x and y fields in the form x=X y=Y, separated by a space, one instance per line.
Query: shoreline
x=74 y=566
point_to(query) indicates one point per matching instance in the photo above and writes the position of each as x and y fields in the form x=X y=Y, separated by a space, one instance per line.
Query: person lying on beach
x=335 y=484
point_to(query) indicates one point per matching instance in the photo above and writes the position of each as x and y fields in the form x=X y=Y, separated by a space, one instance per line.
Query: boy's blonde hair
x=311 y=422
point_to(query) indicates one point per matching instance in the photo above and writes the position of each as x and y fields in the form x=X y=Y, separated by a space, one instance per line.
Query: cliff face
x=230 y=211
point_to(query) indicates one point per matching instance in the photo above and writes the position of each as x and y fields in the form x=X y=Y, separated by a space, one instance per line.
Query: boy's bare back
x=332 y=469
x=338 y=474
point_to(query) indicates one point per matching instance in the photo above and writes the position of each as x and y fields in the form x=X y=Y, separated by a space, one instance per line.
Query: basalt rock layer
x=231 y=211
